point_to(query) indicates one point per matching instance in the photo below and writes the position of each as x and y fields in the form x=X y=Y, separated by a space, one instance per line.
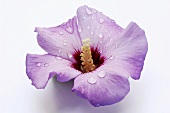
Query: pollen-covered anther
x=86 y=57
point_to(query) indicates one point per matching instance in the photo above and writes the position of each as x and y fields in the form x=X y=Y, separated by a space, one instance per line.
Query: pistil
x=87 y=64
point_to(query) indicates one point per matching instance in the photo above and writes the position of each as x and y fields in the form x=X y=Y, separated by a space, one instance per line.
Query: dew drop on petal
x=92 y=80
x=65 y=44
x=92 y=17
x=91 y=33
x=113 y=21
x=80 y=30
x=88 y=27
x=69 y=30
x=101 y=74
x=101 y=48
x=61 y=33
x=120 y=28
x=46 y=64
x=101 y=35
x=59 y=50
x=70 y=55
x=101 y=21
x=38 y=64
x=88 y=11
x=58 y=58
x=111 y=57
x=101 y=51
x=97 y=105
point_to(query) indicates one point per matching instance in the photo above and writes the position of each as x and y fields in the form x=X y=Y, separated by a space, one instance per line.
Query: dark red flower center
x=98 y=60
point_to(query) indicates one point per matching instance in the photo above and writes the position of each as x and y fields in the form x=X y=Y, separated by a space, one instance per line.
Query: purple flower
x=94 y=51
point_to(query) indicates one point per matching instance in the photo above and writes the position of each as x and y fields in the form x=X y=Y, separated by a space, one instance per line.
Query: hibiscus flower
x=94 y=51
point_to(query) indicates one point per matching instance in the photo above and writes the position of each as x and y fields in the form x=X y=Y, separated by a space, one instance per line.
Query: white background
x=18 y=18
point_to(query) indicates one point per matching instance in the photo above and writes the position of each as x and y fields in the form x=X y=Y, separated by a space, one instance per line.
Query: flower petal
x=101 y=87
x=40 y=68
x=61 y=40
x=96 y=26
x=128 y=52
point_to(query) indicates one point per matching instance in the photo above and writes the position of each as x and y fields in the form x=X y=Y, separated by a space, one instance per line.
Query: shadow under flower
x=68 y=102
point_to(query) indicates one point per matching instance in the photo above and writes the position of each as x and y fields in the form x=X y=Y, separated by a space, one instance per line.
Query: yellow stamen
x=86 y=57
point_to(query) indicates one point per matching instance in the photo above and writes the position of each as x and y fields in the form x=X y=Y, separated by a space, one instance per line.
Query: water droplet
x=61 y=33
x=92 y=80
x=39 y=64
x=97 y=105
x=46 y=64
x=91 y=33
x=65 y=44
x=88 y=11
x=102 y=74
x=101 y=21
x=92 y=17
x=101 y=51
x=113 y=21
x=111 y=57
x=101 y=35
x=80 y=29
x=115 y=46
x=105 y=47
x=64 y=23
x=70 y=55
x=84 y=17
x=59 y=50
x=101 y=48
x=69 y=29
x=97 y=27
x=58 y=58
x=88 y=27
